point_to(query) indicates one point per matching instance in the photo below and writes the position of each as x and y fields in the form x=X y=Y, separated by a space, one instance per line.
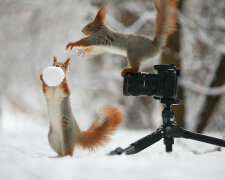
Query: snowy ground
x=24 y=154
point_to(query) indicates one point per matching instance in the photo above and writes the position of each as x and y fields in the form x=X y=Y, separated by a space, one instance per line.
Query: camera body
x=161 y=85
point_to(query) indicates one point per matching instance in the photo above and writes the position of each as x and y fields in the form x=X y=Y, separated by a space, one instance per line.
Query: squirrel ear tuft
x=100 y=17
x=67 y=62
x=54 y=59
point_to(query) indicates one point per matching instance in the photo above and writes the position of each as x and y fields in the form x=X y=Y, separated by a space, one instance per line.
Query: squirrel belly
x=111 y=49
x=54 y=102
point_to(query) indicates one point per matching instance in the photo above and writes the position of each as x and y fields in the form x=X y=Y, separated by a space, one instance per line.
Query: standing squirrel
x=135 y=47
x=64 y=132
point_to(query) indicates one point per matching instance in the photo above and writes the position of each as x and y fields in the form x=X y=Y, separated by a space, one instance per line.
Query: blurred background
x=31 y=32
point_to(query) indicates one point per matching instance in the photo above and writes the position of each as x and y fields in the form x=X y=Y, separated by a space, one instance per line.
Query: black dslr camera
x=161 y=85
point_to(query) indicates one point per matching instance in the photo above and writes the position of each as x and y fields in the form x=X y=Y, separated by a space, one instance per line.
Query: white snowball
x=53 y=76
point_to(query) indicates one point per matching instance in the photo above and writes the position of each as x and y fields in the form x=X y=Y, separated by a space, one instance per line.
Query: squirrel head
x=93 y=27
x=64 y=65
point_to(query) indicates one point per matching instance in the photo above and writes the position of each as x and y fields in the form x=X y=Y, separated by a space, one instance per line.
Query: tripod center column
x=168 y=116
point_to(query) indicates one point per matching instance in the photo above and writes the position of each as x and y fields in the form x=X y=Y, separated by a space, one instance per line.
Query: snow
x=53 y=76
x=26 y=154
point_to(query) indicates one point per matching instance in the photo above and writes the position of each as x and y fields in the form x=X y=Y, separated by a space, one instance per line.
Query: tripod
x=168 y=131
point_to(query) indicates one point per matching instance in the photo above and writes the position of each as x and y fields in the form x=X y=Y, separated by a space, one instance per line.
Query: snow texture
x=53 y=76
x=25 y=154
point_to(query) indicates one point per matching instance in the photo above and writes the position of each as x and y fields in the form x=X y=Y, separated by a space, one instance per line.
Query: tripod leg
x=177 y=132
x=140 y=144
x=204 y=138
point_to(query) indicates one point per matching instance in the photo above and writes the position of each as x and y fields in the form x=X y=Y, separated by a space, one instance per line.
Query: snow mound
x=53 y=76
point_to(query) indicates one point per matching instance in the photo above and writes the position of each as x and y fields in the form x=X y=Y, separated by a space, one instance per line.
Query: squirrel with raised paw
x=135 y=47
x=64 y=132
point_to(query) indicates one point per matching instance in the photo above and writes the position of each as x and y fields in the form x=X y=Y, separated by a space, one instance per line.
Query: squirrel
x=136 y=47
x=64 y=132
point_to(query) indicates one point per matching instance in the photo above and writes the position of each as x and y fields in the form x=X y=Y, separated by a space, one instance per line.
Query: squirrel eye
x=89 y=26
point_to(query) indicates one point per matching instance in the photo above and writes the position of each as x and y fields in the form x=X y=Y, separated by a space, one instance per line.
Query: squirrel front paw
x=41 y=77
x=42 y=80
x=81 y=52
x=70 y=45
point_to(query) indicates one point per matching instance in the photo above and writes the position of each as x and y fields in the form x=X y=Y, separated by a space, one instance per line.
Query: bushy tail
x=166 y=20
x=99 y=131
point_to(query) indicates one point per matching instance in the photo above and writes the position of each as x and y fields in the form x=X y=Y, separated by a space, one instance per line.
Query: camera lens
x=132 y=84
x=136 y=84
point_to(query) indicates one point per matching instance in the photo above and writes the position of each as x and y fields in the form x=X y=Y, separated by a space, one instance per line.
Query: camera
x=161 y=85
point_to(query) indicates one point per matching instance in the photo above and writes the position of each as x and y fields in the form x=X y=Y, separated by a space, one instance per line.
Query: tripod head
x=168 y=101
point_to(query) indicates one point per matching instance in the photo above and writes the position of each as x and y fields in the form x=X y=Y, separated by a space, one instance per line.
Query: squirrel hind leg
x=134 y=59
x=134 y=63
x=68 y=139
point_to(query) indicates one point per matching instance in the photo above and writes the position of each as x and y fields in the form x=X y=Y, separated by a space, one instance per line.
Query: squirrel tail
x=166 y=19
x=100 y=130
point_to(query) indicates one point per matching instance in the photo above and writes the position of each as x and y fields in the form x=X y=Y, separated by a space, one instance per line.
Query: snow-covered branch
x=202 y=89
x=200 y=33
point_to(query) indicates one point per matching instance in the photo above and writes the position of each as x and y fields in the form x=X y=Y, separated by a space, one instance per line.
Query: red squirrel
x=136 y=47
x=64 y=132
